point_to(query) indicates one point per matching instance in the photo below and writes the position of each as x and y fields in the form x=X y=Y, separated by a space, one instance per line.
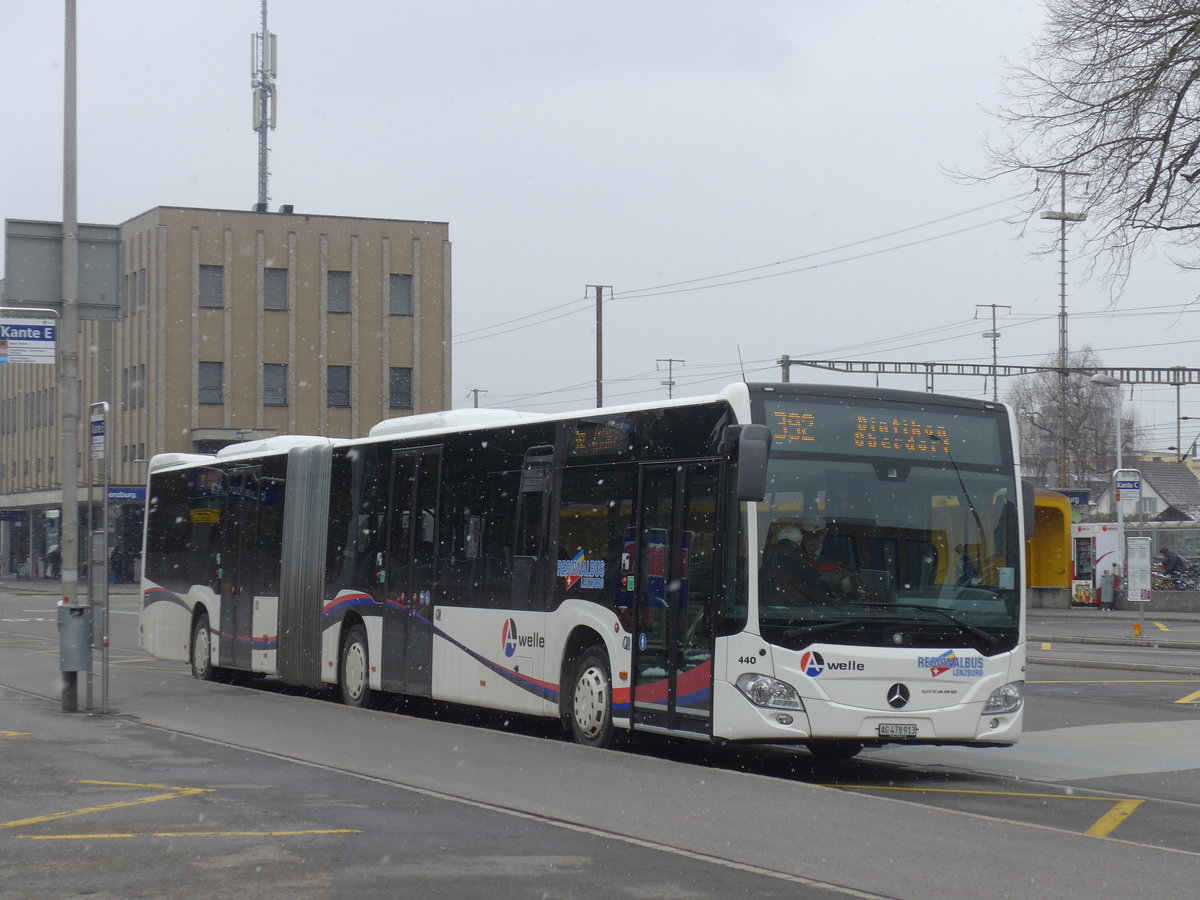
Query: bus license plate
x=897 y=729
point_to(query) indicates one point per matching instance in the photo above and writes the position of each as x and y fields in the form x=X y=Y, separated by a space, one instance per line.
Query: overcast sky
x=781 y=166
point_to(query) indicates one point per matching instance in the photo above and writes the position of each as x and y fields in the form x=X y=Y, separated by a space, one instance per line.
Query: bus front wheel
x=591 y=700
x=353 y=677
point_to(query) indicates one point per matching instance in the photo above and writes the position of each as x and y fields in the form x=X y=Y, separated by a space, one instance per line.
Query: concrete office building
x=233 y=326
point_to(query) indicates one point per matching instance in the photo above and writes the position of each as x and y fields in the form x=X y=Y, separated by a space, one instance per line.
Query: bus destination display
x=876 y=431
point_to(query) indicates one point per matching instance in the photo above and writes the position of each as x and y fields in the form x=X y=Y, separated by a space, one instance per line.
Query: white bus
x=782 y=563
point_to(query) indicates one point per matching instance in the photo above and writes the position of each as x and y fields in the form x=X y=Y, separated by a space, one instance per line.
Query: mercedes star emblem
x=897 y=696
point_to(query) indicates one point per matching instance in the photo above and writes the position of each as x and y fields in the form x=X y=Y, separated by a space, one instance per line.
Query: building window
x=338 y=385
x=1148 y=506
x=400 y=295
x=337 y=292
x=400 y=387
x=212 y=287
x=275 y=289
x=212 y=376
x=275 y=384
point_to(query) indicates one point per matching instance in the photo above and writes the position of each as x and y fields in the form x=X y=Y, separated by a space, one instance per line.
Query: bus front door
x=408 y=599
x=676 y=553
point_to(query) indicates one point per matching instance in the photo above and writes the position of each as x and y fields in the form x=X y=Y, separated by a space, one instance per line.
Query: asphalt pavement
x=165 y=798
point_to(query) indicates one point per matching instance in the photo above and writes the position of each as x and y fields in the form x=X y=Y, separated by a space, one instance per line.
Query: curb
x=1119 y=642
x=1124 y=667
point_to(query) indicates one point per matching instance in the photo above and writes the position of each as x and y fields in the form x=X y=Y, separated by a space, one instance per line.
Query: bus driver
x=789 y=573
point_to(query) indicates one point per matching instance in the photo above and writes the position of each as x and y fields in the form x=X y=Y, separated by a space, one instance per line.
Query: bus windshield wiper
x=987 y=637
x=808 y=630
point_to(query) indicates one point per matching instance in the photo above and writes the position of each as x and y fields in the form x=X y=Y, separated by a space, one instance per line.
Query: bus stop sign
x=1127 y=484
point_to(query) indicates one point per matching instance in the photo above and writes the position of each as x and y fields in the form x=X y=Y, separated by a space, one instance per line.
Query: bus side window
x=498 y=528
x=459 y=550
x=529 y=545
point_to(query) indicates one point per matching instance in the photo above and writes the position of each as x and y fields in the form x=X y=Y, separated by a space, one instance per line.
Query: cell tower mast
x=263 y=51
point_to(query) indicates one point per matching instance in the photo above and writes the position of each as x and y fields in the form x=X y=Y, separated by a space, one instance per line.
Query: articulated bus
x=610 y=568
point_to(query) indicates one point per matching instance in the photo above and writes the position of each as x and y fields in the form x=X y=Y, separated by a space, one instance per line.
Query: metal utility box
x=74 y=638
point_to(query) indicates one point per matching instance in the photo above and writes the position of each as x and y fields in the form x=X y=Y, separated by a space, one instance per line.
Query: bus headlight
x=763 y=690
x=1005 y=699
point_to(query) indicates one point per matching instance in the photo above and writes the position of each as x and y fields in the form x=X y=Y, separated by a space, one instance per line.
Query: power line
x=661 y=290
x=878 y=237
x=634 y=295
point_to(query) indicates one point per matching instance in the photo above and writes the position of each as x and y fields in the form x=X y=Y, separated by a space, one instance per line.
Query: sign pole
x=98 y=565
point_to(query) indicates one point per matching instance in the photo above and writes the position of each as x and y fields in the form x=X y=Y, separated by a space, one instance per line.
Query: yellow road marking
x=929 y=790
x=179 y=834
x=1046 y=646
x=1107 y=823
x=175 y=794
x=1102 y=827
x=1190 y=698
x=14 y=734
x=1161 y=627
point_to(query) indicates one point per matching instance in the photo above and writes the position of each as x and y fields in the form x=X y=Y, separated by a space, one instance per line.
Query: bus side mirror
x=1028 y=506
x=752 y=447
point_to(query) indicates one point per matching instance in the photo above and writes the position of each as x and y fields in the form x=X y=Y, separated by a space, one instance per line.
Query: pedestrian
x=1173 y=566
x=54 y=562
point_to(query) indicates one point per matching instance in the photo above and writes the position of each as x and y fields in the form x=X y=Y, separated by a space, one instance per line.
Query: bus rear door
x=408 y=597
x=676 y=554
x=239 y=566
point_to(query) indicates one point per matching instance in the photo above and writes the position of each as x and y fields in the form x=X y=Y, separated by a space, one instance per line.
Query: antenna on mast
x=263 y=55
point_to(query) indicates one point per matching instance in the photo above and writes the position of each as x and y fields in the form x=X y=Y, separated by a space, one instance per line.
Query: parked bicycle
x=1187 y=580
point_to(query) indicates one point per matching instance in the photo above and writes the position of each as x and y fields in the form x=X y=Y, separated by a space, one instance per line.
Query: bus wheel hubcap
x=591 y=701
x=355 y=670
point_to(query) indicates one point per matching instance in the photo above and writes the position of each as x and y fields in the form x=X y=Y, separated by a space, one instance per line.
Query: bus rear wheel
x=354 y=668
x=591 y=700
x=201 y=656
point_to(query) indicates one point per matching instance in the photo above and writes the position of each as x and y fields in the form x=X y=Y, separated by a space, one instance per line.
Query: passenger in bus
x=789 y=571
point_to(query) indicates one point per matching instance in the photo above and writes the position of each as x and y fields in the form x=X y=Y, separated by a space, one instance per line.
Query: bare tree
x=1091 y=434
x=1110 y=93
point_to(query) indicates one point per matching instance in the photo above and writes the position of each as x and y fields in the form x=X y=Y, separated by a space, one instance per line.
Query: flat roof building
x=233 y=326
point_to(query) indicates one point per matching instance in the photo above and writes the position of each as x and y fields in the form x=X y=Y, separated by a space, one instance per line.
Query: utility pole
x=995 y=336
x=1063 y=217
x=477 y=392
x=670 y=382
x=68 y=366
x=785 y=363
x=263 y=51
x=599 y=288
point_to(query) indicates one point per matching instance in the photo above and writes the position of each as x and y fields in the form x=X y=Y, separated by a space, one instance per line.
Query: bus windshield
x=888 y=526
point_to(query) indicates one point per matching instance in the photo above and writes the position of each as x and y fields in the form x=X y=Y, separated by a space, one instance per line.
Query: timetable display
x=600 y=438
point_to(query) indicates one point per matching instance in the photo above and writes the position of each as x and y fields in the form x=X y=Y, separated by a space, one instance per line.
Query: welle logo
x=510 y=640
